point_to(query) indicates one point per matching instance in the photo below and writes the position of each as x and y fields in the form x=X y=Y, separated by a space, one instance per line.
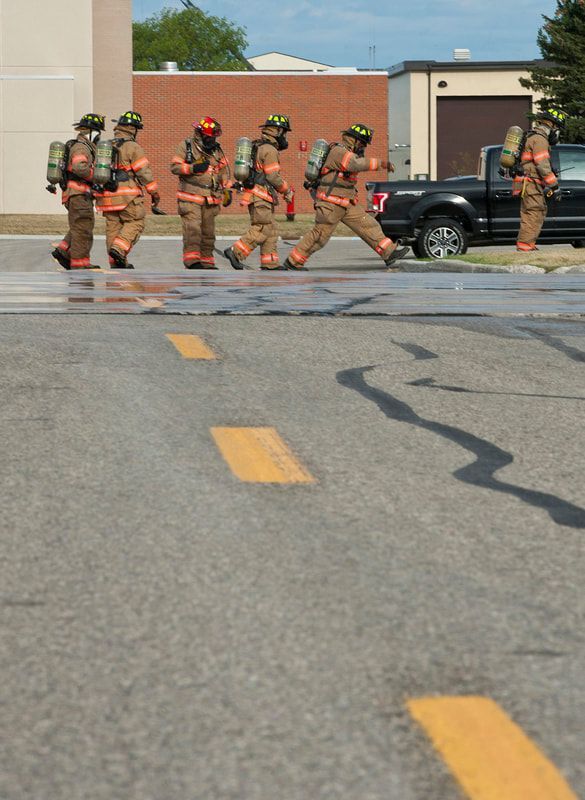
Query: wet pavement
x=312 y=293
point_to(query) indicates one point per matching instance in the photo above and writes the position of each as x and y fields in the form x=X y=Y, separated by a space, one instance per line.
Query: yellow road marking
x=490 y=756
x=190 y=346
x=259 y=455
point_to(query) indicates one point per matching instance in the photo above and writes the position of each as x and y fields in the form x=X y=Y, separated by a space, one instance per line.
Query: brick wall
x=319 y=106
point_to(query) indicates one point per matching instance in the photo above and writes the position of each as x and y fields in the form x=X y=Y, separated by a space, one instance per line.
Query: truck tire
x=442 y=238
x=578 y=243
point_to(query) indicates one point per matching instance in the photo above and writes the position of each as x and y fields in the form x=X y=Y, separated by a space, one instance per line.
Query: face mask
x=282 y=142
x=94 y=137
x=208 y=143
x=360 y=150
x=554 y=137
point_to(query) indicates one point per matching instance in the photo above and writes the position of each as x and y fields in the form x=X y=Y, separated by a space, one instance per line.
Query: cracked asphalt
x=171 y=632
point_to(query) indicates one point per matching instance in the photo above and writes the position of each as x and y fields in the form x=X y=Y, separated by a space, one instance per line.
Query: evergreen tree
x=192 y=38
x=562 y=80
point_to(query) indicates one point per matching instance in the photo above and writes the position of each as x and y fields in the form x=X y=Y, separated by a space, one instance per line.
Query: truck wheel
x=578 y=243
x=442 y=238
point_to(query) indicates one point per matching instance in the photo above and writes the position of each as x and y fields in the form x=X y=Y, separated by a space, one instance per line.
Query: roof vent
x=461 y=54
x=169 y=66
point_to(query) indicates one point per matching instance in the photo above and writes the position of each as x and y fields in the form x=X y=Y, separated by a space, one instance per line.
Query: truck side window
x=572 y=164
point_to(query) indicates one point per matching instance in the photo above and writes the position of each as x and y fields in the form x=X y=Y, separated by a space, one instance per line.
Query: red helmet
x=208 y=127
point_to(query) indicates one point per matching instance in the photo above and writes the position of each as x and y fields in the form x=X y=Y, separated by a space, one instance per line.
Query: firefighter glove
x=226 y=198
x=289 y=196
x=388 y=166
x=199 y=166
x=155 y=197
x=554 y=193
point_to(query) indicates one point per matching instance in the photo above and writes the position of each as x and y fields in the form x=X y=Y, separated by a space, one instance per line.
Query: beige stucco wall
x=57 y=59
x=467 y=82
x=112 y=57
x=399 y=124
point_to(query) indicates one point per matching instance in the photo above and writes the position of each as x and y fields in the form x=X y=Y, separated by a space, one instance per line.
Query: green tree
x=192 y=38
x=562 y=79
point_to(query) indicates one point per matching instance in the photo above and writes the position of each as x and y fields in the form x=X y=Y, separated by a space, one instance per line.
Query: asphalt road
x=172 y=631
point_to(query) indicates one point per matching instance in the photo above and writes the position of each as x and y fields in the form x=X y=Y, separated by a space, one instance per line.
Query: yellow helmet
x=360 y=132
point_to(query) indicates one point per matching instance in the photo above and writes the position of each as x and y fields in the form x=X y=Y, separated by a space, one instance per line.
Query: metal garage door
x=465 y=124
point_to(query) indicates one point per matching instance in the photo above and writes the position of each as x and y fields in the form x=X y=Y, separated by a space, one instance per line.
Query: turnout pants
x=263 y=233
x=532 y=214
x=77 y=242
x=198 y=232
x=124 y=228
x=327 y=218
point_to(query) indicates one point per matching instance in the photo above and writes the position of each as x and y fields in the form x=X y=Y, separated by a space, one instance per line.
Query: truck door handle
x=504 y=193
x=566 y=191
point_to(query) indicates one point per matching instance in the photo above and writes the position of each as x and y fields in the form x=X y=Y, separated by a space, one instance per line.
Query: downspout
x=429 y=118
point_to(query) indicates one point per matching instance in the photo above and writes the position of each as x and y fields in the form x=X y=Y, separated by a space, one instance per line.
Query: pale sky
x=340 y=32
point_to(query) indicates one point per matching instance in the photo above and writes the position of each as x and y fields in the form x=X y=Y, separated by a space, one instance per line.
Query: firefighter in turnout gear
x=335 y=195
x=538 y=181
x=204 y=183
x=261 y=197
x=122 y=201
x=74 y=250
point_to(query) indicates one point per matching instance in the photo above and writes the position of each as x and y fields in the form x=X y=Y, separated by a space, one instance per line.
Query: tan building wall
x=413 y=111
x=112 y=57
x=50 y=73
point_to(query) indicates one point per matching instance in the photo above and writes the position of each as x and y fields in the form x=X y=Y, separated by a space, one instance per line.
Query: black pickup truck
x=443 y=218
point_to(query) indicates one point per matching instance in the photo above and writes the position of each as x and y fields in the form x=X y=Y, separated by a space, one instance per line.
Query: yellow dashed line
x=490 y=756
x=190 y=346
x=259 y=455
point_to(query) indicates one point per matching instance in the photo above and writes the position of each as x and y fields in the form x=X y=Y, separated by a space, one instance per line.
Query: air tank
x=511 y=148
x=103 y=162
x=316 y=160
x=56 y=162
x=243 y=159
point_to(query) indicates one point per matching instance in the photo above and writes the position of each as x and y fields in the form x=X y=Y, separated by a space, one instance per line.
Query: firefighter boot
x=293 y=267
x=61 y=258
x=120 y=261
x=396 y=255
x=232 y=258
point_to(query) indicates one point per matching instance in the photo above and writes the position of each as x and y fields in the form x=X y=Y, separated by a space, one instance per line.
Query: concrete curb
x=452 y=265
x=577 y=269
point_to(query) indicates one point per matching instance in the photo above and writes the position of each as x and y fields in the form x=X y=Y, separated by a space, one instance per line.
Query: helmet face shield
x=207 y=126
x=554 y=115
x=362 y=133
x=277 y=121
x=131 y=119
x=209 y=131
x=94 y=122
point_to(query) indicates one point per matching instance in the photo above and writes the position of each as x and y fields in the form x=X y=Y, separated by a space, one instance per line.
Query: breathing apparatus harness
x=67 y=174
x=201 y=165
x=312 y=186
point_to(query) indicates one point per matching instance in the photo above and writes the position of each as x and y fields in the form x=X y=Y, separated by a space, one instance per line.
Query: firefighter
x=262 y=198
x=74 y=250
x=122 y=201
x=204 y=183
x=538 y=182
x=335 y=197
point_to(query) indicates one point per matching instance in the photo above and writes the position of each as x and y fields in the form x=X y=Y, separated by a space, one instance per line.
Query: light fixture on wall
x=442 y=84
